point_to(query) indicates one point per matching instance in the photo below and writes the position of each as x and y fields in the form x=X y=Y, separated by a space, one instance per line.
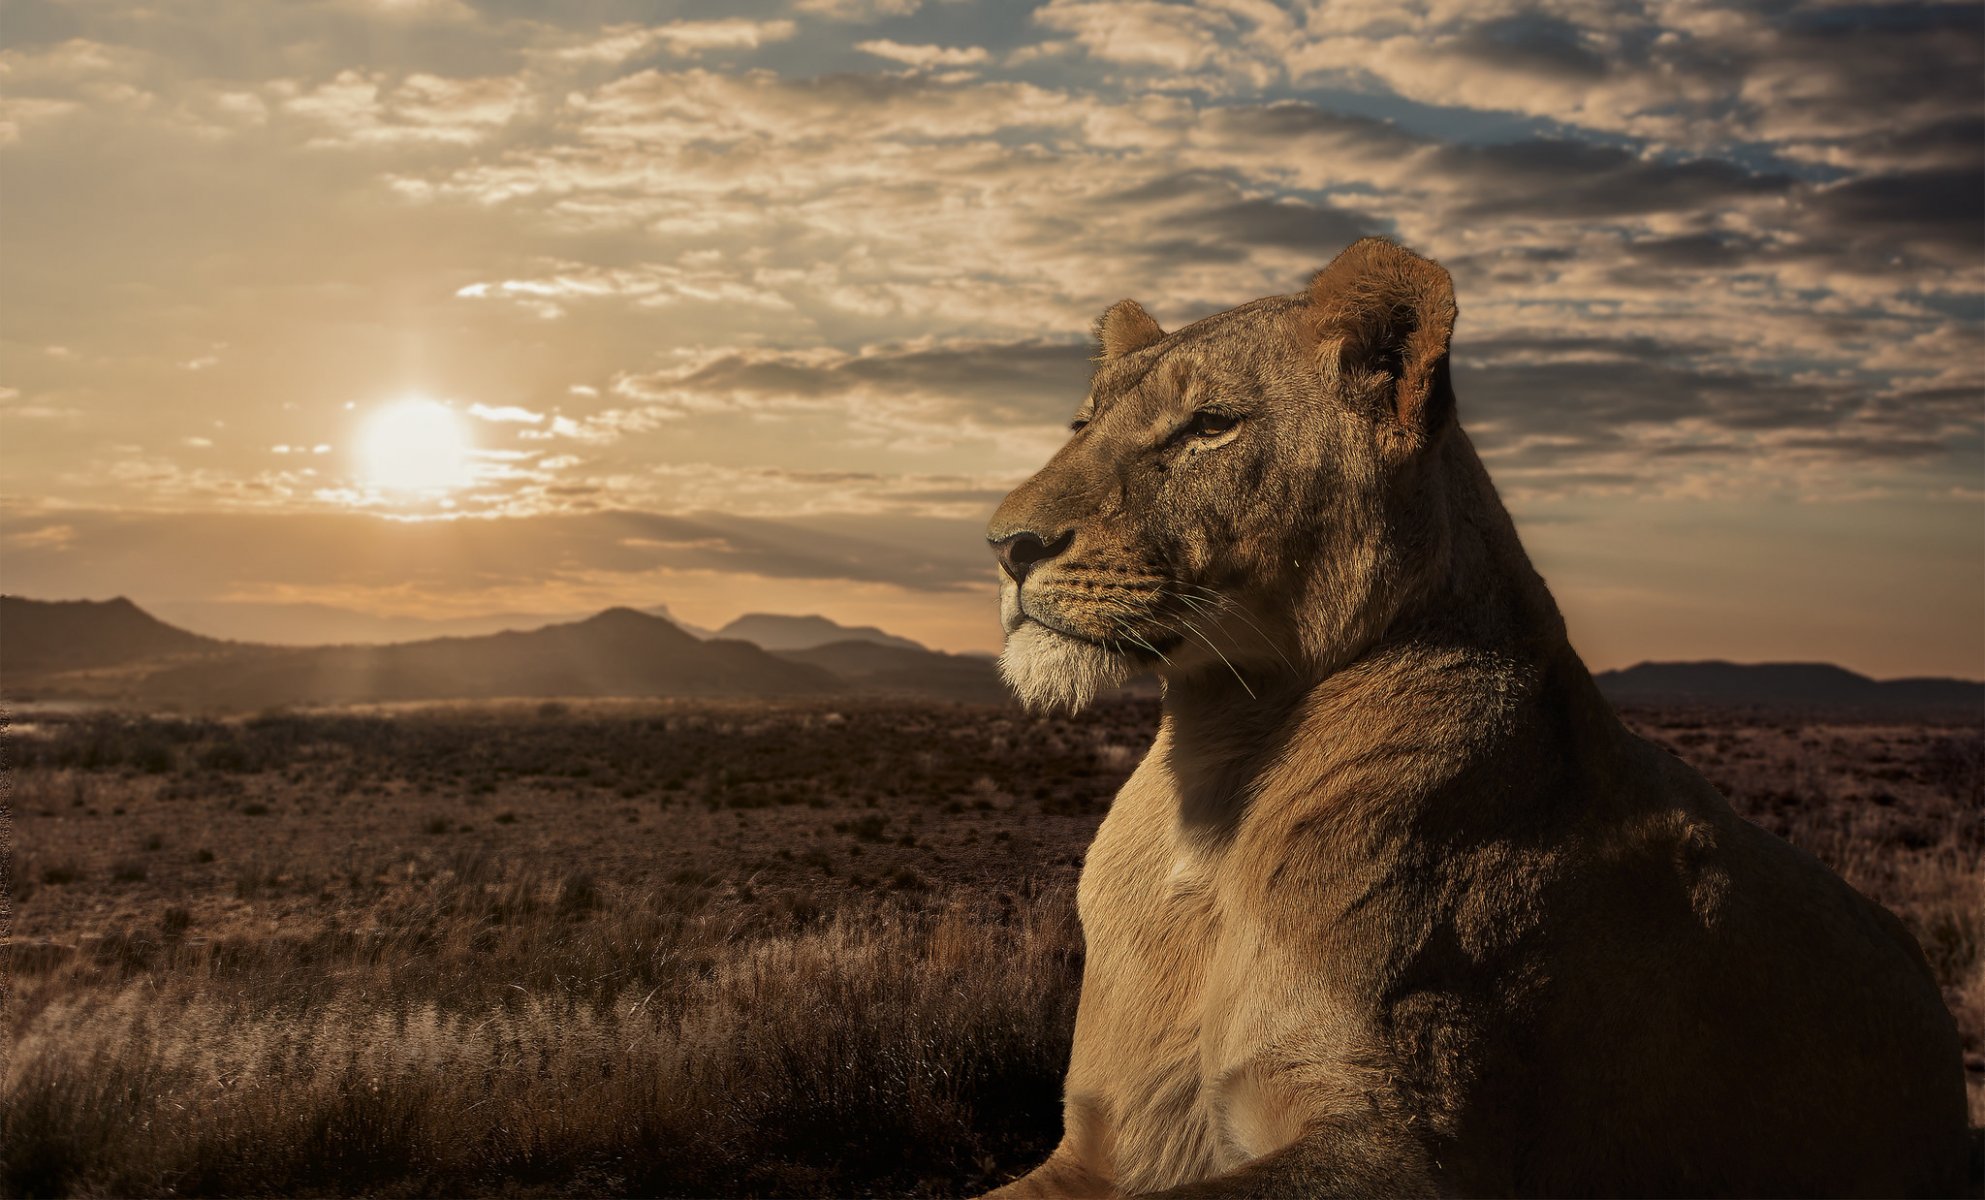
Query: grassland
x=712 y=949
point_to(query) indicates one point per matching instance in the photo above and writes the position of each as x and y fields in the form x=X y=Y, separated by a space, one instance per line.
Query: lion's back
x=1728 y=1001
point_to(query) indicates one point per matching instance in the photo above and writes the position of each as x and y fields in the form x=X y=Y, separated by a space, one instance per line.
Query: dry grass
x=576 y=950
x=688 y=950
x=503 y=1037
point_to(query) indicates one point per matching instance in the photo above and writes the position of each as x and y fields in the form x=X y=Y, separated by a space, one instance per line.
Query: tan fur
x=1124 y=327
x=1395 y=904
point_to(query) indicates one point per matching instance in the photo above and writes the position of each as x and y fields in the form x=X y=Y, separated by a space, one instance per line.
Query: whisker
x=1229 y=606
x=1132 y=636
x=1222 y=657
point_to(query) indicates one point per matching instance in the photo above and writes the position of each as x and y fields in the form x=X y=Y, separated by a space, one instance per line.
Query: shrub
x=579 y=894
x=154 y=758
x=880 y=1054
x=231 y=756
x=869 y=827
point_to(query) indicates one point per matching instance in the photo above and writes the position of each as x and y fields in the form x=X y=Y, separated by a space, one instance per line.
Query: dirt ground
x=278 y=823
x=773 y=819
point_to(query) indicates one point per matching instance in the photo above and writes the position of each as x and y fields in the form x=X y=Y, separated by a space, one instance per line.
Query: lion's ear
x=1389 y=310
x=1124 y=327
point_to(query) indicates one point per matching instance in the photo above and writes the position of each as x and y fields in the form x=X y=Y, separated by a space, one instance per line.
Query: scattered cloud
x=314 y=554
x=843 y=256
x=925 y=56
x=861 y=11
x=506 y=414
x=1210 y=44
x=44 y=537
x=684 y=39
x=356 y=109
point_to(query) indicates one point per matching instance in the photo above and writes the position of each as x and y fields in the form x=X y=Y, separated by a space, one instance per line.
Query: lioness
x=1395 y=904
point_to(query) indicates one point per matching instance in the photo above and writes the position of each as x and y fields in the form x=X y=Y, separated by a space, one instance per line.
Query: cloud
x=838 y=260
x=692 y=38
x=47 y=83
x=1563 y=412
x=193 y=554
x=1931 y=212
x=1849 y=87
x=925 y=56
x=44 y=537
x=985 y=383
x=684 y=39
x=506 y=414
x=1206 y=217
x=1567 y=180
x=862 y=11
x=713 y=107
x=356 y=109
x=422 y=10
x=17 y=114
x=98 y=68
x=650 y=285
x=1212 y=42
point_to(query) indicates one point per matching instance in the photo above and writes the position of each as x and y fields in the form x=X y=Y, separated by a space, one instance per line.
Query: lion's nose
x=1019 y=552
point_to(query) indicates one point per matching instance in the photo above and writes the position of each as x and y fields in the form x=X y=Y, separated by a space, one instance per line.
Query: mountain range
x=51 y=636
x=115 y=651
x=1785 y=685
x=774 y=631
x=112 y=650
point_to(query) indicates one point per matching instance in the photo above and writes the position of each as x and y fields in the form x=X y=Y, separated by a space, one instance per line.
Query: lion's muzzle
x=1018 y=552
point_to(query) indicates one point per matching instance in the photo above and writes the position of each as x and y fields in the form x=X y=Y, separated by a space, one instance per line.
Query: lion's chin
x=1049 y=670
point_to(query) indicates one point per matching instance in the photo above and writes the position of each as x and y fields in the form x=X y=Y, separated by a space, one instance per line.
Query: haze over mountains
x=1817 y=685
x=114 y=651
x=49 y=636
x=619 y=652
x=774 y=631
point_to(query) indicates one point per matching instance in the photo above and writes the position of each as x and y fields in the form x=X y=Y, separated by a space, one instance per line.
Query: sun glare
x=415 y=445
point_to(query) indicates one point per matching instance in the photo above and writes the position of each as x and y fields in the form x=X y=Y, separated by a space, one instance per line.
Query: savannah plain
x=667 y=948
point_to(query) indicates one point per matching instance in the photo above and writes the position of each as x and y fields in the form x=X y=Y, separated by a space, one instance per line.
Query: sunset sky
x=377 y=318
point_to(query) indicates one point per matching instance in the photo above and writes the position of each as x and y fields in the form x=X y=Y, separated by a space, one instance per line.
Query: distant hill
x=73 y=635
x=619 y=652
x=662 y=611
x=775 y=631
x=876 y=667
x=1785 y=685
x=113 y=650
x=299 y=623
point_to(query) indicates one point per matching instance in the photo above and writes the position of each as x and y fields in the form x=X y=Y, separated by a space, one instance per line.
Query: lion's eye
x=1211 y=424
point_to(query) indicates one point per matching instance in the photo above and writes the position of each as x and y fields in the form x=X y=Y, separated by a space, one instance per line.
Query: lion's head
x=1248 y=494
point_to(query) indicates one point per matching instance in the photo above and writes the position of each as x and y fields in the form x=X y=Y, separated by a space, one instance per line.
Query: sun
x=415 y=445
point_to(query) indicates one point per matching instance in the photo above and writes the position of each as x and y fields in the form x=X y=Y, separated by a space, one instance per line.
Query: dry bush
x=797 y=967
x=507 y=1037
